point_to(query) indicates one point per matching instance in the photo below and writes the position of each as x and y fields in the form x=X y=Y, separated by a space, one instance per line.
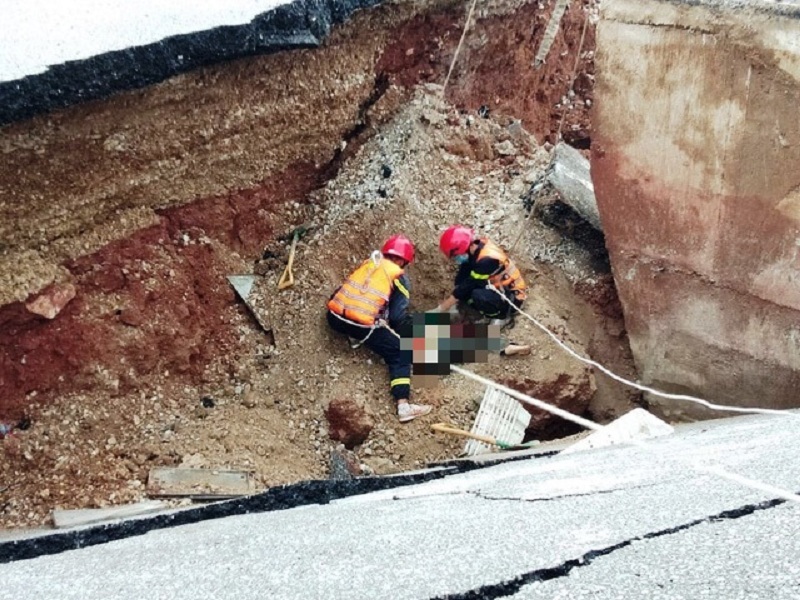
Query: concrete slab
x=198 y=484
x=63 y=519
x=250 y=289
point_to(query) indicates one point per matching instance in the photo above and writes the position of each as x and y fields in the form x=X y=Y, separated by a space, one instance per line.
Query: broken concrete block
x=198 y=484
x=571 y=178
x=636 y=425
x=250 y=289
x=563 y=198
x=505 y=148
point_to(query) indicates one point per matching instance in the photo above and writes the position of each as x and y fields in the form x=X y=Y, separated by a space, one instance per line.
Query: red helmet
x=456 y=240
x=399 y=246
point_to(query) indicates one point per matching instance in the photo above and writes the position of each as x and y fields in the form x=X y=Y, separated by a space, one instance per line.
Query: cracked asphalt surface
x=622 y=522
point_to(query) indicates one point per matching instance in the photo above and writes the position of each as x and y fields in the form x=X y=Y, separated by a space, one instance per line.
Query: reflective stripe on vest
x=509 y=276
x=363 y=297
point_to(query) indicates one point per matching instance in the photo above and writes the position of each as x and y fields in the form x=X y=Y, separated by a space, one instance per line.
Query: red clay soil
x=164 y=282
x=499 y=72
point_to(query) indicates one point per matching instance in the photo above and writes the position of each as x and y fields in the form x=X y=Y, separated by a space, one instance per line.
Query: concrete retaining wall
x=696 y=165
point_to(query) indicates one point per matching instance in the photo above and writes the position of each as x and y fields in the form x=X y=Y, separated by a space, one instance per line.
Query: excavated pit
x=136 y=207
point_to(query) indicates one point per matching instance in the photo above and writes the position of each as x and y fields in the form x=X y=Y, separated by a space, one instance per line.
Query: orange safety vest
x=363 y=296
x=509 y=276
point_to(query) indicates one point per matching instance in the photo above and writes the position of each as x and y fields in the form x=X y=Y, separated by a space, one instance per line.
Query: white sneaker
x=408 y=412
x=501 y=322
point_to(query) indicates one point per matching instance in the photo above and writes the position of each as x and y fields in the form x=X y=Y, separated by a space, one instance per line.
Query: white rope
x=524 y=398
x=638 y=386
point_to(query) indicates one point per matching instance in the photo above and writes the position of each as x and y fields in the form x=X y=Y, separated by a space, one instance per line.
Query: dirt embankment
x=129 y=202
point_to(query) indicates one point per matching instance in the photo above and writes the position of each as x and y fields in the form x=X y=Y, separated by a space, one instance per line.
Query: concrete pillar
x=696 y=167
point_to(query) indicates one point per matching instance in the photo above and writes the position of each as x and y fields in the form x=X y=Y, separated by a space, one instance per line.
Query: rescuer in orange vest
x=377 y=292
x=481 y=261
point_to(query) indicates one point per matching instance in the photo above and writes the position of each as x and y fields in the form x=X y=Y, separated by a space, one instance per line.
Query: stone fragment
x=344 y=464
x=505 y=148
x=131 y=316
x=571 y=178
x=250 y=399
x=52 y=300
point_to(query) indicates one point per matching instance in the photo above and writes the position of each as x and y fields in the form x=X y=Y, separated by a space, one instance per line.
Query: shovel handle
x=455 y=431
x=287 y=278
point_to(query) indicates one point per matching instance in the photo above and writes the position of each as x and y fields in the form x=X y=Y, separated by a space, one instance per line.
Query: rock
x=344 y=464
x=380 y=465
x=505 y=148
x=131 y=316
x=348 y=422
x=52 y=300
x=250 y=399
x=432 y=117
x=517 y=132
x=193 y=461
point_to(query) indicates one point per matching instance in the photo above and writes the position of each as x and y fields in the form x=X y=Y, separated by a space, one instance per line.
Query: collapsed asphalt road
x=618 y=523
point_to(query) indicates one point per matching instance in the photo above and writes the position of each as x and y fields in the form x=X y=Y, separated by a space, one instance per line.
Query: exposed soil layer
x=189 y=182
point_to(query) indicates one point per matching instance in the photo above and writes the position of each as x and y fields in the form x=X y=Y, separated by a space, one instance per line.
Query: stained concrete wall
x=696 y=166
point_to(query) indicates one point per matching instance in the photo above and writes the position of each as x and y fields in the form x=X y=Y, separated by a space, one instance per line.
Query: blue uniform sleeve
x=398 y=301
x=473 y=275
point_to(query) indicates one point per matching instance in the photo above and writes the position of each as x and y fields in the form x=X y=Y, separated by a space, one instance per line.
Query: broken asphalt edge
x=298 y=24
x=284 y=497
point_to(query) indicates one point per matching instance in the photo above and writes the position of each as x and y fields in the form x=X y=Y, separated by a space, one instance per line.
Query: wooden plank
x=198 y=484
